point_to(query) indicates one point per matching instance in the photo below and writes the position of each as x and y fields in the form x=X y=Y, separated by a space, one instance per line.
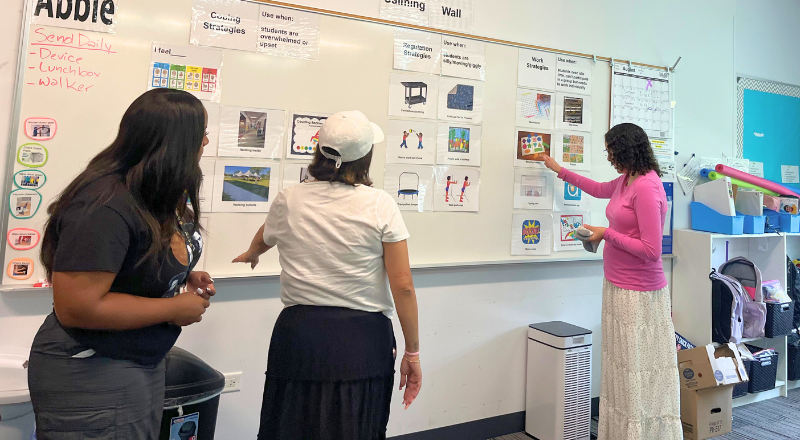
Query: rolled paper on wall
x=713 y=175
x=757 y=181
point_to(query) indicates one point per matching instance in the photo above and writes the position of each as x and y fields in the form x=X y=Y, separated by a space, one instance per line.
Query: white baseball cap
x=350 y=134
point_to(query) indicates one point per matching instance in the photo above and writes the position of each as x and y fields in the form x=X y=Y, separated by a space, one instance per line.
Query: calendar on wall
x=641 y=96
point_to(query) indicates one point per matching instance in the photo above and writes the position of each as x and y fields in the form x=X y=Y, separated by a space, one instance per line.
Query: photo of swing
x=458 y=140
x=246 y=184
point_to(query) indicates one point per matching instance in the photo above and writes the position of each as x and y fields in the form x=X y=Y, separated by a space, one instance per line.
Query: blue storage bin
x=708 y=220
x=781 y=221
x=753 y=224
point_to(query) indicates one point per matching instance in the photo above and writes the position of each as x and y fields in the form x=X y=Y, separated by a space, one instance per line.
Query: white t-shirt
x=330 y=239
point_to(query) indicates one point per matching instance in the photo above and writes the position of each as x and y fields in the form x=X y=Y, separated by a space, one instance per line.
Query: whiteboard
x=355 y=62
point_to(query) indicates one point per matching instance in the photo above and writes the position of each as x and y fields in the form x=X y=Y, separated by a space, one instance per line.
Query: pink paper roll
x=749 y=178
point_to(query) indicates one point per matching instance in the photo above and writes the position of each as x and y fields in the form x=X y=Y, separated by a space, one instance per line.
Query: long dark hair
x=155 y=154
x=630 y=150
x=350 y=173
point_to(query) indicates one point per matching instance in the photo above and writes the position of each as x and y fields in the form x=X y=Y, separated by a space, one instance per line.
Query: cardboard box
x=706 y=413
x=704 y=367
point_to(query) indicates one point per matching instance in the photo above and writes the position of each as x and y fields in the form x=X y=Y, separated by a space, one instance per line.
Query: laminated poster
x=251 y=132
x=531 y=145
x=457 y=189
x=245 y=185
x=411 y=186
x=463 y=58
x=454 y=15
x=40 y=129
x=458 y=144
x=288 y=33
x=20 y=268
x=573 y=150
x=564 y=226
x=411 y=141
x=574 y=112
x=212 y=109
x=533 y=189
x=569 y=197
x=23 y=239
x=29 y=179
x=413 y=95
x=535 y=108
x=96 y=16
x=461 y=100
x=304 y=134
x=405 y=11
x=24 y=203
x=532 y=234
x=536 y=69
x=192 y=69
x=32 y=155
x=417 y=51
x=230 y=24
x=295 y=173
x=207 y=187
x=574 y=74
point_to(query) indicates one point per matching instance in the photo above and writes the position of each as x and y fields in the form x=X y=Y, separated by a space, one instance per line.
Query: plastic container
x=779 y=319
x=708 y=220
x=740 y=389
x=793 y=361
x=16 y=412
x=754 y=224
x=191 y=399
x=763 y=372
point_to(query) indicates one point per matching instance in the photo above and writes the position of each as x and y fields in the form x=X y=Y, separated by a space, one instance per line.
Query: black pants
x=330 y=375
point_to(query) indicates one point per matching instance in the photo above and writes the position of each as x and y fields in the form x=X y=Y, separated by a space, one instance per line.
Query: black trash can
x=191 y=399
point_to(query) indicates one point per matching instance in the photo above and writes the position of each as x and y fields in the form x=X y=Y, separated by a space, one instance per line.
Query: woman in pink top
x=639 y=393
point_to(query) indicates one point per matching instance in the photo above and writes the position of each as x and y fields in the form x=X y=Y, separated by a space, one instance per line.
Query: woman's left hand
x=201 y=283
x=597 y=233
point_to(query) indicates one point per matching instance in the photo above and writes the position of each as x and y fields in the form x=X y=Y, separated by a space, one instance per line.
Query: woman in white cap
x=330 y=371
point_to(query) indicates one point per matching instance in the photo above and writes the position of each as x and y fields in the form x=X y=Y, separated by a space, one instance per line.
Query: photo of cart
x=408 y=185
x=420 y=97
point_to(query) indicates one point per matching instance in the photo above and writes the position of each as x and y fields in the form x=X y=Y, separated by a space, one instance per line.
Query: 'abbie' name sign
x=90 y=15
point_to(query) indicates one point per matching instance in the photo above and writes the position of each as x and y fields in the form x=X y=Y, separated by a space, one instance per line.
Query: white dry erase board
x=86 y=98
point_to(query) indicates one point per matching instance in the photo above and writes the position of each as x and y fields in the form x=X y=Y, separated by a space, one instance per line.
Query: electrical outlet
x=233 y=382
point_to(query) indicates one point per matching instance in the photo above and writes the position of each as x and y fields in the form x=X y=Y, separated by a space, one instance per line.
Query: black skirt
x=330 y=375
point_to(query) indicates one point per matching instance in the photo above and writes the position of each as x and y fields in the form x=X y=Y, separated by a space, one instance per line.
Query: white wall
x=473 y=319
x=767 y=39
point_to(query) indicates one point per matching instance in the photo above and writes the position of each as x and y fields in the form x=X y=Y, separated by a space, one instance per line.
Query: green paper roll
x=713 y=175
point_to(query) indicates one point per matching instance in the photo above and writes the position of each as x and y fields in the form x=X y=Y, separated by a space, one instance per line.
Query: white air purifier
x=558 y=401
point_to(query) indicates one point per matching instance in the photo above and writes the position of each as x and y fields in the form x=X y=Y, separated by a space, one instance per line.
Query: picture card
x=225 y=23
x=564 y=226
x=532 y=234
x=535 y=108
x=574 y=112
x=32 y=155
x=302 y=28
x=411 y=141
x=23 y=239
x=245 y=185
x=207 y=167
x=413 y=95
x=461 y=100
x=40 y=129
x=250 y=132
x=458 y=144
x=411 y=186
x=573 y=150
x=417 y=51
x=533 y=188
x=457 y=189
x=574 y=74
x=303 y=136
x=295 y=173
x=20 y=268
x=29 y=179
x=24 y=203
x=212 y=109
x=463 y=58
x=530 y=145
x=569 y=197
x=536 y=69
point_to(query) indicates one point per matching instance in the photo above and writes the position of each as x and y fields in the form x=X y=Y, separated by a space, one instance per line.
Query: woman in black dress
x=119 y=246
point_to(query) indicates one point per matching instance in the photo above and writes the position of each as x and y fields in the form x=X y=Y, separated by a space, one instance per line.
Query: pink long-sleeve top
x=636 y=215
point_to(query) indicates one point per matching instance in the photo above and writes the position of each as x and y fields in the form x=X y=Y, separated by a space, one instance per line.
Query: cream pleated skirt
x=639 y=393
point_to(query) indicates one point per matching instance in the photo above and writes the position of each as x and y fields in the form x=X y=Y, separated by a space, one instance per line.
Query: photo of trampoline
x=408 y=184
